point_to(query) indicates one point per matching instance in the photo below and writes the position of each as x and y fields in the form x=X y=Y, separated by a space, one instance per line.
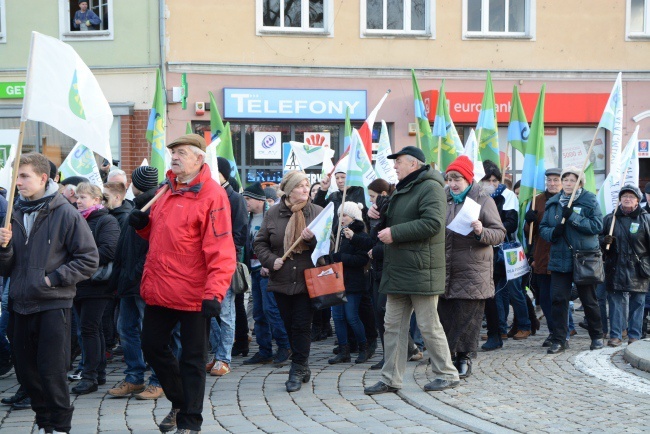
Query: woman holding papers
x=469 y=264
x=283 y=225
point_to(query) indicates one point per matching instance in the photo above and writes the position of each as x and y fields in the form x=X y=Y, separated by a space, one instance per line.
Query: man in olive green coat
x=414 y=271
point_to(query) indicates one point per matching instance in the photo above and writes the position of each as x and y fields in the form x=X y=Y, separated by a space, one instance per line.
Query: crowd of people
x=90 y=275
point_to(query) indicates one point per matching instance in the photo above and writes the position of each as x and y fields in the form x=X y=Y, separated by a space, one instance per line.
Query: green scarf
x=460 y=197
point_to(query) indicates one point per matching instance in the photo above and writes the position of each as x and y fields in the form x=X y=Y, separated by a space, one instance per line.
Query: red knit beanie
x=464 y=166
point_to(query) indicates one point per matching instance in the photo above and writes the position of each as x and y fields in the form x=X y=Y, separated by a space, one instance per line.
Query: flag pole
x=338 y=231
x=503 y=172
x=582 y=172
x=155 y=198
x=611 y=228
x=530 y=228
x=439 y=154
x=293 y=246
x=14 y=176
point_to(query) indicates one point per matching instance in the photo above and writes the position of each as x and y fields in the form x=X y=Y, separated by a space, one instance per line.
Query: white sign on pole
x=268 y=145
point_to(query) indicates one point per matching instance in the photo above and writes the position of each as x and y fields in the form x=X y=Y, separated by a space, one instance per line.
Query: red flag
x=366 y=129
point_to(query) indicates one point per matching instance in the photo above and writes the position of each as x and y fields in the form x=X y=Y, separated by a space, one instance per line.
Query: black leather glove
x=531 y=216
x=138 y=219
x=610 y=239
x=566 y=212
x=211 y=308
x=558 y=231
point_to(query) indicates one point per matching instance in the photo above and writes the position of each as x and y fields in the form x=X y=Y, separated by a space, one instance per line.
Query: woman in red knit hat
x=469 y=265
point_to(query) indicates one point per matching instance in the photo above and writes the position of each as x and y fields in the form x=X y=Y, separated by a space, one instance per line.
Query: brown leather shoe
x=521 y=335
x=151 y=392
x=614 y=342
x=573 y=333
x=124 y=388
x=210 y=365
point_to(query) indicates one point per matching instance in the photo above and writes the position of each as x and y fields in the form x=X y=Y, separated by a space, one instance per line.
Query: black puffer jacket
x=122 y=212
x=632 y=246
x=353 y=194
x=60 y=246
x=106 y=233
x=130 y=255
x=353 y=254
x=376 y=225
x=239 y=219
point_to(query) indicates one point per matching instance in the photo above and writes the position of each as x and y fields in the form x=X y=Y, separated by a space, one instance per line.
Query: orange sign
x=559 y=108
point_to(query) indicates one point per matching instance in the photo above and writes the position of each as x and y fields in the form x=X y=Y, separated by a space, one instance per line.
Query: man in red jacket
x=188 y=270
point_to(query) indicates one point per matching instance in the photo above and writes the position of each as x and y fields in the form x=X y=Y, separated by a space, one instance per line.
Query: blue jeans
x=129 y=326
x=618 y=313
x=510 y=290
x=349 y=313
x=5 y=348
x=601 y=295
x=222 y=336
x=268 y=322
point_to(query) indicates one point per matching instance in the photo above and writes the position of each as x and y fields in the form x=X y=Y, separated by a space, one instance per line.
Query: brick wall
x=135 y=147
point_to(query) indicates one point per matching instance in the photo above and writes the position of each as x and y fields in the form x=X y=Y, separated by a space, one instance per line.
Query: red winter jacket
x=191 y=250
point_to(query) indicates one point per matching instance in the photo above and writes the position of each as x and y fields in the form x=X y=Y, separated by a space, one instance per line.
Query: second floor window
x=3 y=31
x=638 y=15
x=91 y=19
x=397 y=17
x=293 y=16
x=498 y=18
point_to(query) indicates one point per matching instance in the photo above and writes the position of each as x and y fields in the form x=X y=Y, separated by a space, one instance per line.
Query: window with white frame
x=397 y=18
x=638 y=19
x=294 y=16
x=498 y=19
x=86 y=20
x=3 y=22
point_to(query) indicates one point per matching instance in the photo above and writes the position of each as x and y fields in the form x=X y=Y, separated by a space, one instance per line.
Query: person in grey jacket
x=48 y=251
x=569 y=229
x=627 y=264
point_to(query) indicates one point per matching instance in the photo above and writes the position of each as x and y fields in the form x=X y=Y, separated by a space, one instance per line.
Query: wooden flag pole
x=439 y=154
x=14 y=177
x=530 y=227
x=155 y=198
x=293 y=246
x=338 y=231
x=611 y=228
x=503 y=172
x=582 y=172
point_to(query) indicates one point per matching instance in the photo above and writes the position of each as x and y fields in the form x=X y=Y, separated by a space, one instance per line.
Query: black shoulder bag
x=587 y=265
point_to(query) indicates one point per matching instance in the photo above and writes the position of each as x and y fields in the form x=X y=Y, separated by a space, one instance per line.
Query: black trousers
x=42 y=354
x=379 y=308
x=90 y=312
x=297 y=313
x=492 y=317
x=241 y=323
x=367 y=317
x=109 y=323
x=182 y=380
x=560 y=297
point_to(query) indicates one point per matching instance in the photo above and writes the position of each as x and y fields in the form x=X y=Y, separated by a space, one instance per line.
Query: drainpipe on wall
x=161 y=37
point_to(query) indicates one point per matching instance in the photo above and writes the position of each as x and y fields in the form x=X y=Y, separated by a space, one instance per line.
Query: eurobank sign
x=293 y=104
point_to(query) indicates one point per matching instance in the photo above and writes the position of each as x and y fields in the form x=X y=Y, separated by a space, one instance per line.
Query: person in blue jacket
x=84 y=18
x=569 y=229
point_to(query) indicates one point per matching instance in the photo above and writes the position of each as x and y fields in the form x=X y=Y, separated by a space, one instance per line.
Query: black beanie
x=224 y=167
x=491 y=169
x=52 y=170
x=144 y=178
x=74 y=180
x=255 y=191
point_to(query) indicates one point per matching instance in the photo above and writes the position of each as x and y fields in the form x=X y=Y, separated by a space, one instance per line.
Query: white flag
x=309 y=155
x=211 y=159
x=81 y=162
x=8 y=142
x=129 y=193
x=384 y=167
x=625 y=170
x=62 y=92
x=321 y=226
x=472 y=152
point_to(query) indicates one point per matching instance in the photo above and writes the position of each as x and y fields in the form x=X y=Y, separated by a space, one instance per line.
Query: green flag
x=487 y=125
x=156 y=129
x=445 y=134
x=188 y=128
x=518 y=129
x=221 y=132
x=425 y=138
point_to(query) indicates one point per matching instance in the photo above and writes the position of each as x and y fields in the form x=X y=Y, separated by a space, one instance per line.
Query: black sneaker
x=282 y=355
x=258 y=359
x=84 y=387
x=169 y=422
x=23 y=404
x=18 y=396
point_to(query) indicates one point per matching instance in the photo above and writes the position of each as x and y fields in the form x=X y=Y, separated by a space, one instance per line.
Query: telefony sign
x=306 y=104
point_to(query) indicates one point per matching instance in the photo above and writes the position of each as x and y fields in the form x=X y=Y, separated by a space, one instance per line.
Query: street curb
x=638 y=354
x=412 y=393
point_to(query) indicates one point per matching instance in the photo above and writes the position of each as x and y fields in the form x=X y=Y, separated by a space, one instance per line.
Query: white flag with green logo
x=81 y=162
x=62 y=92
x=8 y=142
x=309 y=155
x=321 y=226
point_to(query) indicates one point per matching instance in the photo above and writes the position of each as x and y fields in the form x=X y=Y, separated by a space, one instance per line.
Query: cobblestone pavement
x=518 y=388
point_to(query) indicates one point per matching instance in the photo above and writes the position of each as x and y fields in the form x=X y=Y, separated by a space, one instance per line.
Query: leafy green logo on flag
x=4 y=155
x=74 y=99
x=82 y=161
x=512 y=258
x=309 y=149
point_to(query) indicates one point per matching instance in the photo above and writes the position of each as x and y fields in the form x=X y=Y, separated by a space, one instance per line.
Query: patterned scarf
x=564 y=198
x=295 y=227
x=30 y=206
x=85 y=213
x=498 y=191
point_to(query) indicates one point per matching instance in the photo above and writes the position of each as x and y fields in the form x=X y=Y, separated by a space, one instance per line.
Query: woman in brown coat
x=282 y=226
x=469 y=265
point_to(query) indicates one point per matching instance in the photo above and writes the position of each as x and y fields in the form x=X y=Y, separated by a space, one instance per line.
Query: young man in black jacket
x=48 y=251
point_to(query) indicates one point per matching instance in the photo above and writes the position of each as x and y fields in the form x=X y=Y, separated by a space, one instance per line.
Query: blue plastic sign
x=294 y=104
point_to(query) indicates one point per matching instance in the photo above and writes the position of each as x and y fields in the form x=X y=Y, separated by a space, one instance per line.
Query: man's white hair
x=411 y=159
x=198 y=151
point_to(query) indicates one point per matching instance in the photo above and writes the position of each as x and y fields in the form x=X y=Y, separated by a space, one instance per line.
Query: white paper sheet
x=462 y=223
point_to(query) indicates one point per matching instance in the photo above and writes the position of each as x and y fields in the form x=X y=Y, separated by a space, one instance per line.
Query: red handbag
x=325 y=285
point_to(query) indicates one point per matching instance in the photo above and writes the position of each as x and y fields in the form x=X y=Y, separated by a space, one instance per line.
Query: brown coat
x=541 y=247
x=470 y=260
x=269 y=246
